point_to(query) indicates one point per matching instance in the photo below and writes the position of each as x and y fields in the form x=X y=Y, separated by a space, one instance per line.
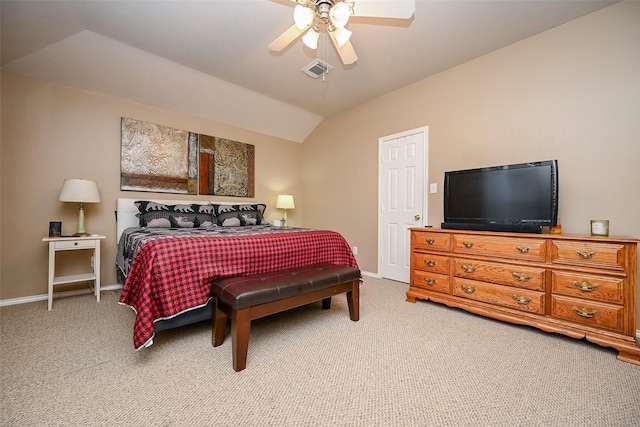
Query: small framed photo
x=55 y=229
x=600 y=227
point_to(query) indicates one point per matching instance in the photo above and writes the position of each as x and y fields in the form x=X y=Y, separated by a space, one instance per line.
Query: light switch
x=433 y=187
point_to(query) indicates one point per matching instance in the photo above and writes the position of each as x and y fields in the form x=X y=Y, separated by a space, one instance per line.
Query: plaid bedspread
x=172 y=273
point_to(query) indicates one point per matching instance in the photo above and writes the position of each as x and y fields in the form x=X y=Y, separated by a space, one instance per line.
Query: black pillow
x=238 y=215
x=160 y=215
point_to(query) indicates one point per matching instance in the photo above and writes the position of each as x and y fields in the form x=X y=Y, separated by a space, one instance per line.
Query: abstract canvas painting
x=163 y=159
x=158 y=158
x=227 y=167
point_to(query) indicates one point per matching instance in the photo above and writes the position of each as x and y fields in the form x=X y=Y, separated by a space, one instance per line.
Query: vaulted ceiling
x=210 y=58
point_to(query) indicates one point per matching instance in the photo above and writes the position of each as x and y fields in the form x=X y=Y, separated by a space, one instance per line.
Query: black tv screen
x=520 y=197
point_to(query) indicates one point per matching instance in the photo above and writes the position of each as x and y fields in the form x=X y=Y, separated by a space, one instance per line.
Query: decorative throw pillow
x=238 y=215
x=160 y=215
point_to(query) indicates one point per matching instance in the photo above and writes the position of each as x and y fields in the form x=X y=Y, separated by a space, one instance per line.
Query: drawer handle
x=523 y=249
x=585 y=286
x=585 y=254
x=429 y=281
x=430 y=263
x=469 y=268
x=522 y=277
x=521 y=299
x=468 y=289
x=430 y=241
x=468 y=244
x=584 y=312
x=75 y=243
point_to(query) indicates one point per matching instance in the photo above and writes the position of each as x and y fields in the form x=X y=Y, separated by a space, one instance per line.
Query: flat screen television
x=521 y=197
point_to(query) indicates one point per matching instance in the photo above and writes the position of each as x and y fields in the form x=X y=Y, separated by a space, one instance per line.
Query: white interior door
x=402 y=199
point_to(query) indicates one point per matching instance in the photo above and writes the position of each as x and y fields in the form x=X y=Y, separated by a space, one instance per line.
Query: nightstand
x=72 y=244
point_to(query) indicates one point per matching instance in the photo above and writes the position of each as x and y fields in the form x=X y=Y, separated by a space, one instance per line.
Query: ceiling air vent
x=317 y=68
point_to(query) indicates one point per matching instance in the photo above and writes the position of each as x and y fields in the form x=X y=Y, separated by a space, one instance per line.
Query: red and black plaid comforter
x=171 y=275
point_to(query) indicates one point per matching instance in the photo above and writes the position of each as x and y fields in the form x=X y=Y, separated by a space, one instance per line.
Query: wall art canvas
x=227 y=168
x=158 y=158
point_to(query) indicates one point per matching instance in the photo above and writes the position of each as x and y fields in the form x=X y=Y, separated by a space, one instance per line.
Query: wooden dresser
x=579 y=286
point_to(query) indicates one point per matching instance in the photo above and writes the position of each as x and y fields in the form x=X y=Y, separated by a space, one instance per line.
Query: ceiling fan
x=313 y=16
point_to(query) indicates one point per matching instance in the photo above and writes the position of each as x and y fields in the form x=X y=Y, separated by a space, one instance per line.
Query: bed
x=169 y=252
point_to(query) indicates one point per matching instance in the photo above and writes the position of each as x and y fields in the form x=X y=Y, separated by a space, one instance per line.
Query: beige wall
x=52 y=132
x=572 y=94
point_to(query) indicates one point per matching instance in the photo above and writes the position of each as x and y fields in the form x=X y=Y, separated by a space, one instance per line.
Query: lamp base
x=80 y=231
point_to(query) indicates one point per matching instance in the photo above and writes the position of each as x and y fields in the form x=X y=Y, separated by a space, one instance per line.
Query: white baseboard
x=44 y=297
x=368 y=273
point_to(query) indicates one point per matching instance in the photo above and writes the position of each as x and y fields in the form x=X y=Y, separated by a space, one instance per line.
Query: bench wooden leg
x=219 y=325
x=326 y=303
x=353 y=300
x=240 y=328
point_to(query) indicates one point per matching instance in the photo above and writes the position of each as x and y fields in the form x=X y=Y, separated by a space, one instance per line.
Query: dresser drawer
x=609 y=256
x=503 y=274
x=586 y=312
x=430 y=262
x=505 y=247
x=431 y=241
x=505 y=296
x=607 y=289
x=430 y=281
x=75 y=244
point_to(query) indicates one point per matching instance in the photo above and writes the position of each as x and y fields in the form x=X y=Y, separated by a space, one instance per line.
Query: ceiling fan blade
x=347 y=52
x=400 y=9
x=286 y=38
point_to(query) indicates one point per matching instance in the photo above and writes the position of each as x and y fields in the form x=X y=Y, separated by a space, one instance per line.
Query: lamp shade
x=342 y=36
x=311 y=38
x=285 y=201
x=339 y=15
x=303 y=16
x=79 y=190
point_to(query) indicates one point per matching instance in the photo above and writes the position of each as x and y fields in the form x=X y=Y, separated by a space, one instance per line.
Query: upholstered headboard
x=127 y=212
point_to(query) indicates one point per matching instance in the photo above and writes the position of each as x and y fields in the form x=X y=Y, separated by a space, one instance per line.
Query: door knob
x=417 y=217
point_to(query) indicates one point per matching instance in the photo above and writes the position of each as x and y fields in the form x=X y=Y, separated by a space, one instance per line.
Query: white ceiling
x=188 y=55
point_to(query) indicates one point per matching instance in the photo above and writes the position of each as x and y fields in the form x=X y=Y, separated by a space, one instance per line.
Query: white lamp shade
x=303 y=16
x=285 y=201
x=339 y=15
x=342 y=35
x=79 y=190
x=311 y=38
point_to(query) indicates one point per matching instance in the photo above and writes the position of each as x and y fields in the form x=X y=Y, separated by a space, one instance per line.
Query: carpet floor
x=402 y=364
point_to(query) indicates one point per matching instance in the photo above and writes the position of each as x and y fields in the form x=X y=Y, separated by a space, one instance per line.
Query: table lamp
x=285 y=201
x=79 y=191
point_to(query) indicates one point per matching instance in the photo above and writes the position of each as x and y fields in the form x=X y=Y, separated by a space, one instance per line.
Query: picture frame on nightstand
x=55 y=229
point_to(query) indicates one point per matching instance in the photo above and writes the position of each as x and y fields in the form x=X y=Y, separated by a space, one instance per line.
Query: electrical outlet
x=355 y=250
x=433 y=188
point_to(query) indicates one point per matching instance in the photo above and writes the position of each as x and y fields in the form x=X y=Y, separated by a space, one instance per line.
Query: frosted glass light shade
x=79 y=190
x=311 y=38
x=285 y=201
x=303 y=16
x=342 y=35
x=339 y=15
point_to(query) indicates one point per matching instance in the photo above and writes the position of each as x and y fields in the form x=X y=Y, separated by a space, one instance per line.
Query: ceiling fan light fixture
x=342 y=35
x=311 y=38
x=303 y=16
x=339 y=14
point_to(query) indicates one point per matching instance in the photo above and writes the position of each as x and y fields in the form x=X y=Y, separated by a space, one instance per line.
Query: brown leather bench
x=245 y=298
